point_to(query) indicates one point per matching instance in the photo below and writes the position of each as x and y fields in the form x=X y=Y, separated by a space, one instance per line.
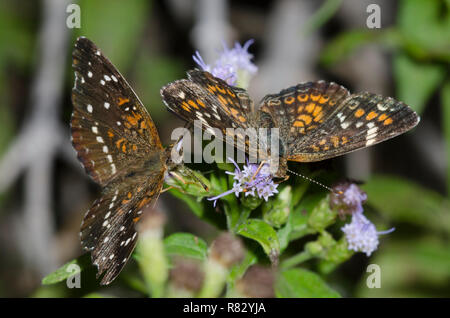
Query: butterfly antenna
x=311 y=180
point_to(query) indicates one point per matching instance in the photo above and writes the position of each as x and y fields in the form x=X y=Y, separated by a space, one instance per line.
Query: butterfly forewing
x=118 y=145
x=111 y=129
x=360 y=121
x=212 y=103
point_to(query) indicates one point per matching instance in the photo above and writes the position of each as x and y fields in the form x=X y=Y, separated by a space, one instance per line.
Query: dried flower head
x=227 y=249
x=187 y=274
x=257 y=282
x=347 y=198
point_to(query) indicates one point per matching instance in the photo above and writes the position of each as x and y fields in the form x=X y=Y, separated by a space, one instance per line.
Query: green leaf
x=68 y=270
x=425 y=28
x=321 y=16
x=415 y=92
x=186 y=245
x=446 y=127
x=344 y=45
x=301 y=283
x=276 y=211
x=192 y=203
x=264 y=234
x=322 y=216
x=334 y=255
x=237 y=271
x=192 y=183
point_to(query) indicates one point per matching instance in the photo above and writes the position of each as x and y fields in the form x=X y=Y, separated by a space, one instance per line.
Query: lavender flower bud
x=347 y=198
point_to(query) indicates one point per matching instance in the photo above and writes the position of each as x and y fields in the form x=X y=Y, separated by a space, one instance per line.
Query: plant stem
x=296 y=259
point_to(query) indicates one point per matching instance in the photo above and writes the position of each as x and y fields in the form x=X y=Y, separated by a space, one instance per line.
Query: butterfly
x=315 y=120
x=119 y=147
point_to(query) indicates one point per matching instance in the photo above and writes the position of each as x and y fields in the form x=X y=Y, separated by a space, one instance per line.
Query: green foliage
x=264 y=234
x=404 y=201
x=410 y=90
x=186 y=245
x=99 y=27
x=446 y=126
x=66 y=270
x=301 y=283
x=420 y=41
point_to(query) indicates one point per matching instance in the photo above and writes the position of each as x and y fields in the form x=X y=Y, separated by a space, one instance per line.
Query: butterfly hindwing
x=108 y=229
x=111 y=129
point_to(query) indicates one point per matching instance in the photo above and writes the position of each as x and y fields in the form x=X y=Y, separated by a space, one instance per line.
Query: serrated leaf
x=264 y=234
x=186 y=245
x=68 y=270
x=301 y=283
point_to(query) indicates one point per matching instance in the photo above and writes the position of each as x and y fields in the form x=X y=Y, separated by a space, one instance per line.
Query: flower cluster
x=347 y=198
x=360 y=233
x=233 y=65
x=253 y=180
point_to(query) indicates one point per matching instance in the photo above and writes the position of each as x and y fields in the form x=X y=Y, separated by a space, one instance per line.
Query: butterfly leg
x=180 y=178
x=170 y=188
x=281 y=180
x=259 y=169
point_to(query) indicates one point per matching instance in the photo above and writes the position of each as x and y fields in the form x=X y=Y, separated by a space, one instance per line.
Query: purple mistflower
x=347 y=198
x=250 y=181
x=361 y=234
x=233 y=65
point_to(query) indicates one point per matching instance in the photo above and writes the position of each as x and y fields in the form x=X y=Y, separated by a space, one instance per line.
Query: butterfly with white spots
x=119 y=147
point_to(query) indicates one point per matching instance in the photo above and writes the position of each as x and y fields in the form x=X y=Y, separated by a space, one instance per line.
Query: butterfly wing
x=210 y=102
x=111 y=129
x=321 y=120
x=118 y=145
x=108 y=229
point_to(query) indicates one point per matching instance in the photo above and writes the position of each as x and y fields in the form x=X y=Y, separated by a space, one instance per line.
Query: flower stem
x=296 y=260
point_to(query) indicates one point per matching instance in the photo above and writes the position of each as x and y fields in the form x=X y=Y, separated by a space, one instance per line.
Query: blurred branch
x=289 y=54
x=211 y=28
x=34 y=149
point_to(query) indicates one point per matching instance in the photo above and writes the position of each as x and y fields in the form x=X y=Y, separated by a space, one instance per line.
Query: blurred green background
x=44 y=192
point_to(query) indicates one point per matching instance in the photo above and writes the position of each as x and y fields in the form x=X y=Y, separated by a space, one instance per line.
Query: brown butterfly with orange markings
x=316 y=120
